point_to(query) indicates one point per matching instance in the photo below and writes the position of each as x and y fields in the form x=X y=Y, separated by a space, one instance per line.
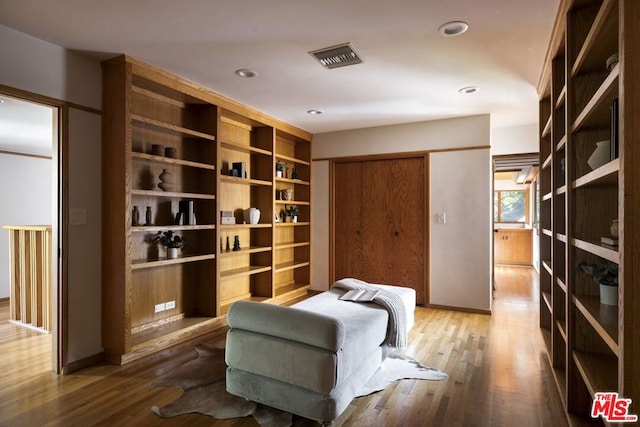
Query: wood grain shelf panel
x=167 y=127
x=171 y=161
x=596 y=248
x=292 y=224
x=244 y=271
x=288 y=245
x=292 y=202
x=292 y=289
x=546 y=131
x=156 y=228
x=547 y=162
x=292 y=159
x=606 y=174
x=141 y=264
x=599 y=371
x=244 y=148
x=603 y=96
x=546 y=296
x=226 y=304
x=561 y=97
x=546 y=337
x=547 y=196
x=603 y=319
x=561 y=284
x=596 y=30
x=563 y=141
x=292 y=181
x=561 y=237
x=291 y=265
x=547 y=265
x=547 y=232
x=562 y=328
x=560 y=375
x=172 y=194
x=561 y=190
x=244 y=181
x=244 y=251
x=245 y=226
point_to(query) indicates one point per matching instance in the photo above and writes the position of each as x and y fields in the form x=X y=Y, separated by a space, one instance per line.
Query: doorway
x=514 y=213
x=30 y=139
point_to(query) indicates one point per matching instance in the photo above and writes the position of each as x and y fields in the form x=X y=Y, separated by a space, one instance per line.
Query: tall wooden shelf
x=590 y=344
x=145 y=106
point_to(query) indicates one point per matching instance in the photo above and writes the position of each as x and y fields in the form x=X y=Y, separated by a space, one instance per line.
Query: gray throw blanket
x=397 y=329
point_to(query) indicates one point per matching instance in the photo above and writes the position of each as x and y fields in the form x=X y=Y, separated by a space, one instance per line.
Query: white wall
x=461 y=248
x=441 y=134
x=43 y=68
x=514 y=139
x=25 y=191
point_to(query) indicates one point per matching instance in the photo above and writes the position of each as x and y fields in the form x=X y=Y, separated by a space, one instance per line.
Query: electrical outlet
x=169 y=305
x=159 y=308
x=441 y=218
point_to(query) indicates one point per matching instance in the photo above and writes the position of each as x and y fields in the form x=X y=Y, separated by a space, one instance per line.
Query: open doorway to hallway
x=29 y=176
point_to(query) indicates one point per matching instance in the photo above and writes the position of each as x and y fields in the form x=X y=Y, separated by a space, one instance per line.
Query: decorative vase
x=614 y=228
x=278 y=174
x=608 y=295
x=252 y=216
x=167 y=181
x=294 y=218
x=135 y=216
x=287 y=194
x=600 y=155
x=236 y=243
x=148 y=216
x=172 y=253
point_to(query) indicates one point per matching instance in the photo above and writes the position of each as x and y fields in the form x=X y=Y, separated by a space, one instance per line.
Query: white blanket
x=397 y=329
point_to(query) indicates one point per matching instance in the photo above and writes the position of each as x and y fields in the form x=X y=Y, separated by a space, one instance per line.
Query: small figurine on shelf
x=236 y=243
x=279 y=169
x=294 y=173
x=148 y=216
x=135 y=216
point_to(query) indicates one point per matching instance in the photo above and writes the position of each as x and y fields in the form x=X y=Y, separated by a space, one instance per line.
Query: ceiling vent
x=341 y=55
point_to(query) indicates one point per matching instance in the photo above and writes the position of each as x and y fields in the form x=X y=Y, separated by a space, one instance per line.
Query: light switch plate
x=441 y=218
x=159 y=308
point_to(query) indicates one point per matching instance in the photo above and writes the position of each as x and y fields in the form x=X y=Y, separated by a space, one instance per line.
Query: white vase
x=608 y=295
x=600 y=156
x=252 y=216
x=172 y=253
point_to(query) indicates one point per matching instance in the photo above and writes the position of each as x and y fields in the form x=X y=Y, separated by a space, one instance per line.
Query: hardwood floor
x=497 y=366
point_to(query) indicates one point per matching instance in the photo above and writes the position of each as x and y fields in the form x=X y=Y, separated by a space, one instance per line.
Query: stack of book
x=610 y=242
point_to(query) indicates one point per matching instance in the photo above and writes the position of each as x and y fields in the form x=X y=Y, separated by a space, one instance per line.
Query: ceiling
x=410 y=72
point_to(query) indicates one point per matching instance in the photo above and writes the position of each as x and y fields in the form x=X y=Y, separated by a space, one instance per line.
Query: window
x=510 y=206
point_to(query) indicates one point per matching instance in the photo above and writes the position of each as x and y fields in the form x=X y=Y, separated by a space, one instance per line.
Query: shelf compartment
x=292 y=181
x=243 y=226
x=604 y=96
x=547 y=162
x=561 y=144
x=244 y=181
x=173 y=332
x=598 y=371
x=244 y=271
x=561 y=285
x=291 y=265
x=292 y=224
x=595 y=248
x=546 y=130
x=606 y=174
x=605 y=25
x=140 y=264
x=171 y=161
x=244 y=251
x=547 y=266
x=602 y=318
x=289 y=245
x=562 y=328
x=244 y=148
x=226 y=304
x=156 y=228
x=172 y=194
x=160 y=126
x=561 y=97
x=292 y=159
x=291 y=289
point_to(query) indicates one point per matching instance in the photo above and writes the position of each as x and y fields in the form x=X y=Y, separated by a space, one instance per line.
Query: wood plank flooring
x=498 y=375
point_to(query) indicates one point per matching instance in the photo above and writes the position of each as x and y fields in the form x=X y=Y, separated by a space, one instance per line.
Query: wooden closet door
x=377 y=221
x=407 y=204
x=348 y=220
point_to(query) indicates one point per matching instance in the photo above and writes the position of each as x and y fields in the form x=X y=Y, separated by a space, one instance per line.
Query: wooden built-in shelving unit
x=592 y=347
x=146 y=107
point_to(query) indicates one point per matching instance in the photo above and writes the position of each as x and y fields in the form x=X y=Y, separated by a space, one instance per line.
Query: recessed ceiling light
x=314 y=112
x=469 y=89
x=246 y=73
x=453 y=28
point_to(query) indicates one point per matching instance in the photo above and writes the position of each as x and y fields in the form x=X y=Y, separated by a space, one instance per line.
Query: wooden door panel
x=348 y=208
x=408 y=212
x=377 y=222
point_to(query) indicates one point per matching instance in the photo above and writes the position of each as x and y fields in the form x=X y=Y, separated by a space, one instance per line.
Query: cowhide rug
x=203 y=382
